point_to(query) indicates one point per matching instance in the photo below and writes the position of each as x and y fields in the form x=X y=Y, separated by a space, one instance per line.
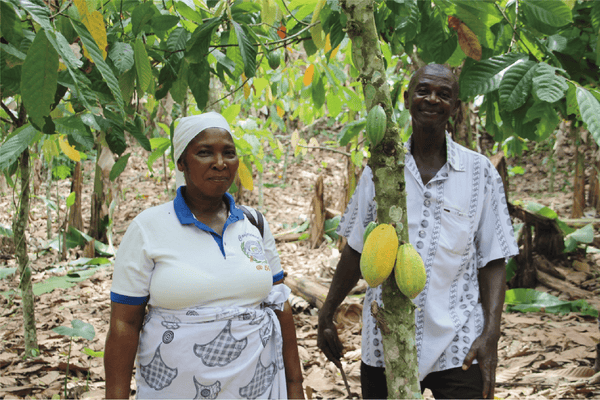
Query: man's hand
x=485 y=350
x=329 y=341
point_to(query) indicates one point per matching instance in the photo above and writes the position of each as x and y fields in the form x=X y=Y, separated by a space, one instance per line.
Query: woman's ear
x=180 y=164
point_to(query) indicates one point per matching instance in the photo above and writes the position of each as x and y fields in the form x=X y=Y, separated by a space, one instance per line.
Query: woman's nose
x=219 y=161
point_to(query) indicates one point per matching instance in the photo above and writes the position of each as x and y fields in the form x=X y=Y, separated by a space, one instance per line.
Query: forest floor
x=541 y=355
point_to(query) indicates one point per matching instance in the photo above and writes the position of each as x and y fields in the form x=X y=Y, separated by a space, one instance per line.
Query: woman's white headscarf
x=186 y=131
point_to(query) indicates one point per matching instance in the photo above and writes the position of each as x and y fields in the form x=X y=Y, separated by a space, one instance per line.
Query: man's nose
x=433 y=97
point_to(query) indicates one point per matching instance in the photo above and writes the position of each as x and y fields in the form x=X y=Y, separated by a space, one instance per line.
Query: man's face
x=432 y=97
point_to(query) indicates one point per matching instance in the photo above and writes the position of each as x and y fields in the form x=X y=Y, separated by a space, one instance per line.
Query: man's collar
x=452 y=152
x=186 y=217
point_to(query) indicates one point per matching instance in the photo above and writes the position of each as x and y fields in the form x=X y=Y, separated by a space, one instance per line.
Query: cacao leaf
x=94 y=22
x=316 y=31
x=39 y=12
x=162 y=23
x=122 y=56
x=142 y=66
x=247 y=50
x=308 y=75
x=159 y=146
x=96 y=55
x=483 y=77
x=547 y=116
x=468 y=42
x=318 y=93
x=141 y=15
x=39 y=79
x=595 y=17
x=67 y=149
x=590 y=112
x=80 y=329
x=550 y=12
x=119 y=167
x=245 y=176
x=180 y=86
x=547 y=86
x=16 y=144
x=516 y=84
x=198 y=80
x=11 y=25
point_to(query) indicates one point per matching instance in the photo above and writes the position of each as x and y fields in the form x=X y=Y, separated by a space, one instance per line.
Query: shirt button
x=445 y=174
x=427 y=203
x=422 y=234
x=424 y=223
x=428 y=186
x=420 y=245
x=427 y=195
x=426 y=213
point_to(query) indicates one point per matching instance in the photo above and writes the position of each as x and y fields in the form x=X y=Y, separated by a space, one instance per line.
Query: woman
x=218 y=322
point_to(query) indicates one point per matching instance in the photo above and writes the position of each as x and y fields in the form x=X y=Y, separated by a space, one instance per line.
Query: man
x=459 y=224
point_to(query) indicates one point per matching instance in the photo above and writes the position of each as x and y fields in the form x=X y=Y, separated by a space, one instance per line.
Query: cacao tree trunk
x=397 y=319
x=97 y=229
x=19 y=229
x=579 y=180
x=75 y=217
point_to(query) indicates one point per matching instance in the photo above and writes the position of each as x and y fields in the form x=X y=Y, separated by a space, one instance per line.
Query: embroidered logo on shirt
x=253 y=249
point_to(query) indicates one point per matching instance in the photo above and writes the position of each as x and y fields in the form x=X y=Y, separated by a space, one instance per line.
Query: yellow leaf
x=94 y=22
x=313 y=142
x=245 y=176
x=82 y=7
x=295 y=138
x=280 y=145
x=328 y=43
x=247 y=90
x=334 y=52
x=308 y=74
x=317 y=31
x=67 y=149
x=280 y=112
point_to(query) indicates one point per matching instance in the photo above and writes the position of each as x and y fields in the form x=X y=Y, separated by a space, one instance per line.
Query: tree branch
x=13 y=118
x=292 y=15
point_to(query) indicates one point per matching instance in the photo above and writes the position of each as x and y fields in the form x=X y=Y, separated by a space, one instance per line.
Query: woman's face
x=209 y=163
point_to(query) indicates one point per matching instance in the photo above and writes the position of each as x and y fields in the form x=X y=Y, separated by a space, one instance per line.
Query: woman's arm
x=121 y=347
x=291 y=359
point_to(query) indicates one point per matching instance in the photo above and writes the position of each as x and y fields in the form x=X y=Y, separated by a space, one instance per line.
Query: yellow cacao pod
x=410 y=271
x=379 y=254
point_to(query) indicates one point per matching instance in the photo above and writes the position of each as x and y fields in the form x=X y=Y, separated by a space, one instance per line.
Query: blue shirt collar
x=186 y=217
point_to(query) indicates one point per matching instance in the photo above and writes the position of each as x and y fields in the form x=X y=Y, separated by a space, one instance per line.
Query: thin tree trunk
x=594 y=190
x=19 y=229
x=48 y=208
x=97 y=228
x=396 y=320
x=75 y=218
x=579 y=180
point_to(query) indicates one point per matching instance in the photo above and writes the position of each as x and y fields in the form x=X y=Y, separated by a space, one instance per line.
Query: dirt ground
x=541 y=355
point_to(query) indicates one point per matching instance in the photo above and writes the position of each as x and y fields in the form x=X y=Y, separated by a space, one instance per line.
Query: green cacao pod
x=274 y=59
x=410 y=271
x=376 y=125
x=372 y=225
x=379 y=254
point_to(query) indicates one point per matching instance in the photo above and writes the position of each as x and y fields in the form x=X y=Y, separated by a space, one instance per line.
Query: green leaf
x=141 y=15
x=527 y=300
x=80 y=329
x=15 y=145
x=71 y=199
x=542 y=210
x=331 y=225
x=76 y=129
x=179 y=88
x=115 y=138
x=177 y=40
x=119 y=167
x=39 y=79
x=121 y=55
x=547 y=86
x=350 y=130
x=54 y=282
x=159 y=146
x=548 y=119
x=318 y=93
x=139 y=135
x=334 y=104
x=590 y=112
x=11 y=25
x=6 y=272
x=595 y=17
x=164 y=22
x=142 y=66
x=92 y=353
x=583 y=235
x=39 y=12
x=198 y=81
x=516 y=84
x=5 y=231
x=102 y=66
x=483 y=77
x=197 y=46
x=247 y=50
x=550 y=12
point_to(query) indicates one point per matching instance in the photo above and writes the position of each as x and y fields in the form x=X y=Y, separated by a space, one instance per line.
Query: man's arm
x=492 y=287
x=347 y=274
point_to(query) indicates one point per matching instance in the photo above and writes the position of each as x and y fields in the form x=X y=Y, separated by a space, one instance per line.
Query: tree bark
x=97 y=229
x=317 y=215
x=396 y=320
x=19 y=229
x=579 y=180
x=75 y=217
